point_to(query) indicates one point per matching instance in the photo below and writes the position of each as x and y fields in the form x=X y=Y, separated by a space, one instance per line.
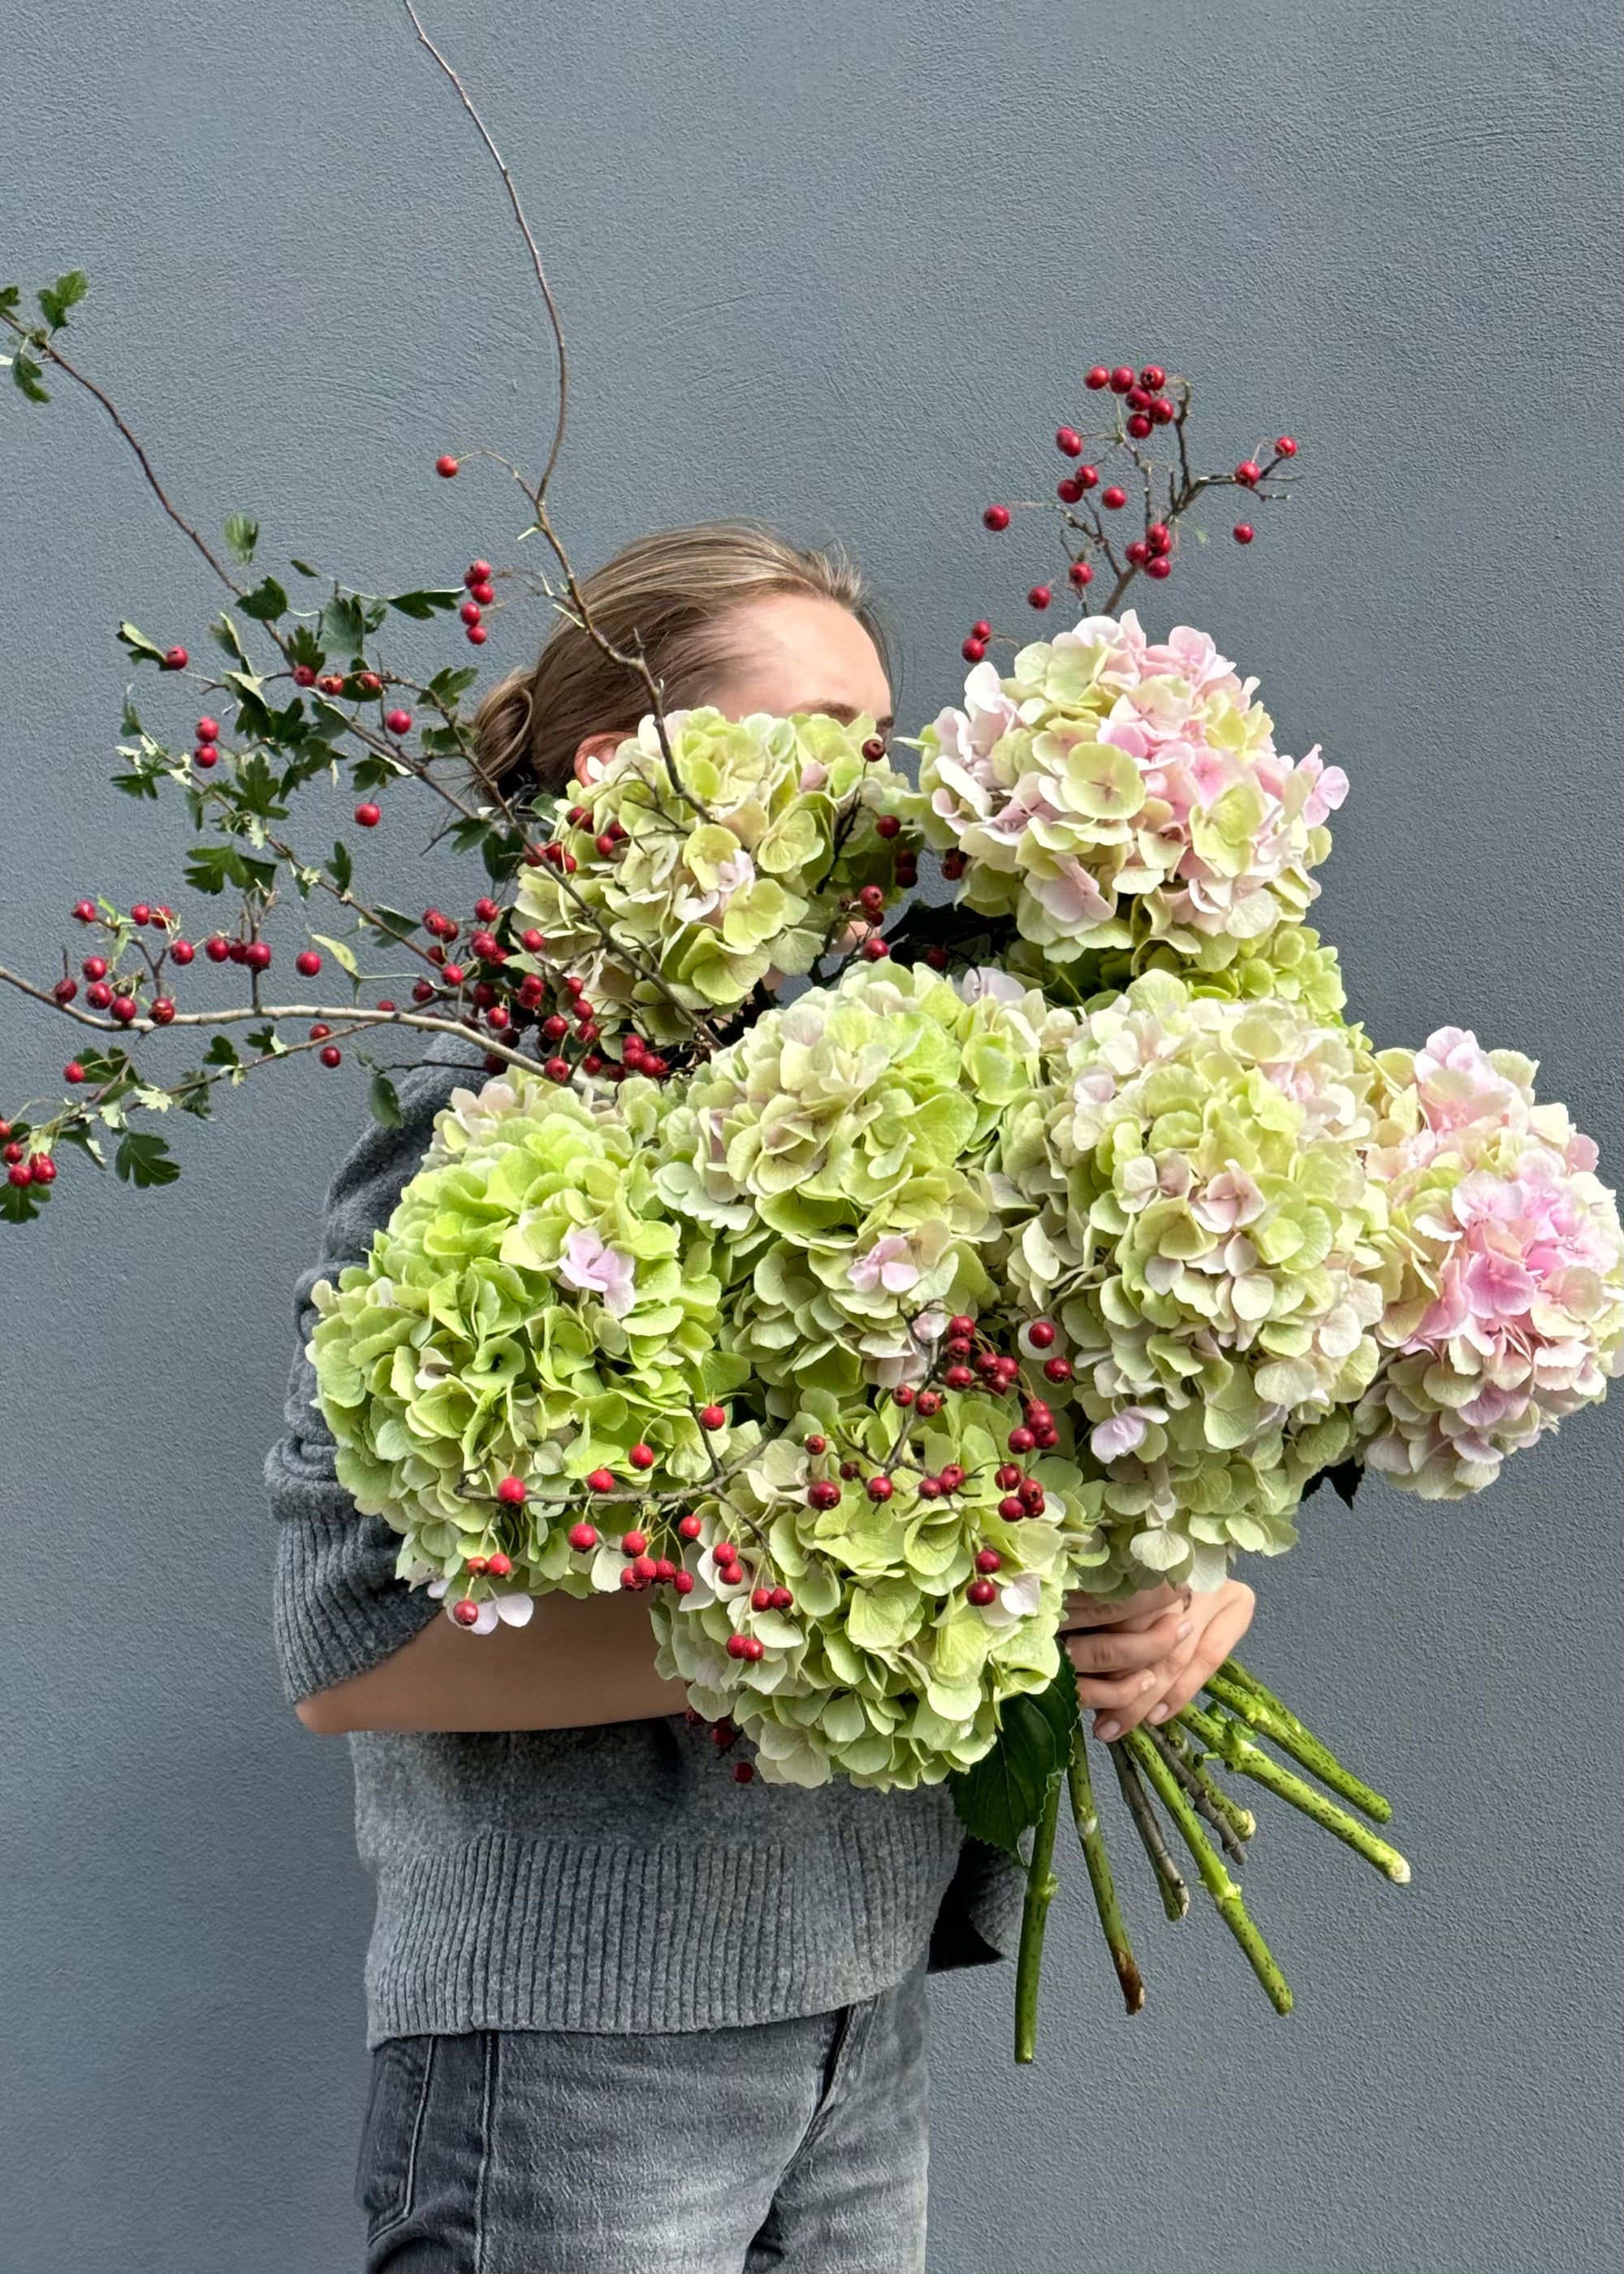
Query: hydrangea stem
x=1042 y=1887
x=1230 y=1741
x=1198 y=1797
x=1214 y=1878
x=1240 y=1821
x=1087 y=1821
x=1271 y=1719
x=1170 y=1879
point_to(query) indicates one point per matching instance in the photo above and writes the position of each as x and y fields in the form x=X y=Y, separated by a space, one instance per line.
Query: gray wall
x=841 y=265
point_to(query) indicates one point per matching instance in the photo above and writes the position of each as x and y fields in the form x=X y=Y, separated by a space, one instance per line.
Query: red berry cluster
x=1144 y=400
x=481 y=592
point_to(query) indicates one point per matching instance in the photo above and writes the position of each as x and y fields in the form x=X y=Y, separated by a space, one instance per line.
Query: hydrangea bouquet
x=1060 y=1233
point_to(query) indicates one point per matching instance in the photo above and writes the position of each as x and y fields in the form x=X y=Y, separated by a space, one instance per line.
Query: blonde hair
x=670 y=594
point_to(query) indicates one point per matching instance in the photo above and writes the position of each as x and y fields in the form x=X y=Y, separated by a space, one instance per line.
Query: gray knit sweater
x=606 y=1879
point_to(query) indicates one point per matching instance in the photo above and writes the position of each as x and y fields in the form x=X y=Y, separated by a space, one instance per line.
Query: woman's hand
x=1146 y=1658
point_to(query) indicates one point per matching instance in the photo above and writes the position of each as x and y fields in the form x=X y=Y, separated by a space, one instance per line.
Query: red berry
x=1069 y=491
x=1247 y=473
x=631 y=1579
x=632 y=1543
x=1021 y=1440
x=217 y=949
x=465 y=1613
x=42 y=1169
x=98 y=994
x=1122 y=379
x=1159 y=536
x=65 y=989
x=208 y=730
x=1011 y=1510
x=445 y=466
x=13 y=1151
x=556 y=1069
x=303 y=675
x=454 y=975
x=479 y=572
x=997 y=516
x=470 y=612
x=1008 y=1476
x=754 y=1650
x=927 y=1403
x=1040 y=1333
x=332 y=1055
x=1057 y=1369
x=511 y=1492
x=903 y=1394
x=1114 y=497
x=761 y=1599
x=1080 y=574
x=582 y=1536
x=987 y=1559
x=1137 y=553
x=1136 y=399
x=683 y=1582
x=823 y=1491
x=1285 y=448
x=499 y=1564
x=307 y=963
x=123 y=1008
x=1159 y=566
x=1244 y=533
x=1039 y=597
x=1068 y=439
x=952 y=1477
x=1153 y=376
x=182 y=950
x=398 y=722
x=879 y=1487
x=980 y=1591
x=19 y=1176
x=257 y=955
x=875 y=950
x=743 y=1773
x=1088 y=476
x=368 y=816
x=972 y=650
x=887 y=825
x=735 y=1645
x=1162 y=411
x=782 y=1598
x=162 y=1011
x=1097 y=377
x=1140 y=425
x=177 y=660
x=483 y=592
x=140 y=913
x=646 y=1566
x=724 y=1553
x=960 y=1377
x=85 y=911
x=929 y=1488
x=641 y=1456
x=206 y=756
x=600 y=1481
x=713 y=1417
x=815 y=1444
x=73 y=1072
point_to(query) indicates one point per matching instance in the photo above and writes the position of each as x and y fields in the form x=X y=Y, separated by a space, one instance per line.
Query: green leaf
x=343 y=623
x=21 y=1203
x=143 y=1159
x=339 y=952
x=10 y=297
x=427 y=604
x=385 y=1103
x=28 y=377
x=449 y=686
x=67 y=292
x=221 y=1052
x=392 y=923
x=225 y=635
x=304 y=647
x=305 y=568
x=1004 y=1792
x=242 y=533
x=341 y=867
x=266 y=602
x=144 y=650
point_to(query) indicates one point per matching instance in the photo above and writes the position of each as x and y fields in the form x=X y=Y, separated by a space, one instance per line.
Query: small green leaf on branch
x=266 y=602
x=241 y=534
x=385 y=1103
x=425 y=604
x=143 y=1159
x=144 y=650
x=67 y=292
x=339 y=952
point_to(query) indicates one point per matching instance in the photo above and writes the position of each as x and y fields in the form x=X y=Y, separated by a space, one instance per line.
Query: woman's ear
x=590 y=755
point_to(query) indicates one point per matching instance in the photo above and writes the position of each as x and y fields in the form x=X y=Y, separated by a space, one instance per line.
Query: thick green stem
x=1229 y=1840
x=1228 y=1739
x=1170 y=1879
x=1042 y=1887
x=1087 y=1821
x=1240 y=1821
x=1214 y=1878
x=1266 y=1714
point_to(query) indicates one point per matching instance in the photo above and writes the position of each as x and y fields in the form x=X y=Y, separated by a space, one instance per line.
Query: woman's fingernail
x=1160 y=1712
x=1185 y=1632
x=1105 y=1731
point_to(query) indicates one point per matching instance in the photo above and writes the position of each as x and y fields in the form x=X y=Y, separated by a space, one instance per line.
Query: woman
x=626 y=2011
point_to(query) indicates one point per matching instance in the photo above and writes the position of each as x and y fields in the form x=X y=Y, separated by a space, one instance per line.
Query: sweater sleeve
x=338 y=1607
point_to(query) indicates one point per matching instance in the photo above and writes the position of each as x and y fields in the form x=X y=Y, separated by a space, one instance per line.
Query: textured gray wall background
x=842 y=267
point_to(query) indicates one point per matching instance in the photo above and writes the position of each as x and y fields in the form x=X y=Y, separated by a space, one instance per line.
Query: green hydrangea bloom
x=532 y=1309
x=881 y=1669
x=839 y=1150
x=1291 y=964
x=1191 y=1203
x=746 y=875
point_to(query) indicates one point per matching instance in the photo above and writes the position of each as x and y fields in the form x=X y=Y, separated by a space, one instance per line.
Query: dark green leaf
x=425 y=604
x=266 y=602
x=67 y=292
x=268 y=1043
x=443 y=741
x=305 y=569
x=1004 y=1792
x=392 y=923
x=385 y=1104
x=141 y=648
x=341 y=867
x=221 y=1052
x=21 y=1203
x=28 y=377
x=143 y=1159
x=10 y=298
x=137 y=785
x=225 y=635
x=242 y=535
x=304 y=647
x=343 y=623
x=449 y=686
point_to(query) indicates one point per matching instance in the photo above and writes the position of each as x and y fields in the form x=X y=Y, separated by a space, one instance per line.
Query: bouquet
x=1060 y=1234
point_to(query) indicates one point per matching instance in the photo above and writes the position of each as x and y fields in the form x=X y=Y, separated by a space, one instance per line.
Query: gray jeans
x=799 y=2144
